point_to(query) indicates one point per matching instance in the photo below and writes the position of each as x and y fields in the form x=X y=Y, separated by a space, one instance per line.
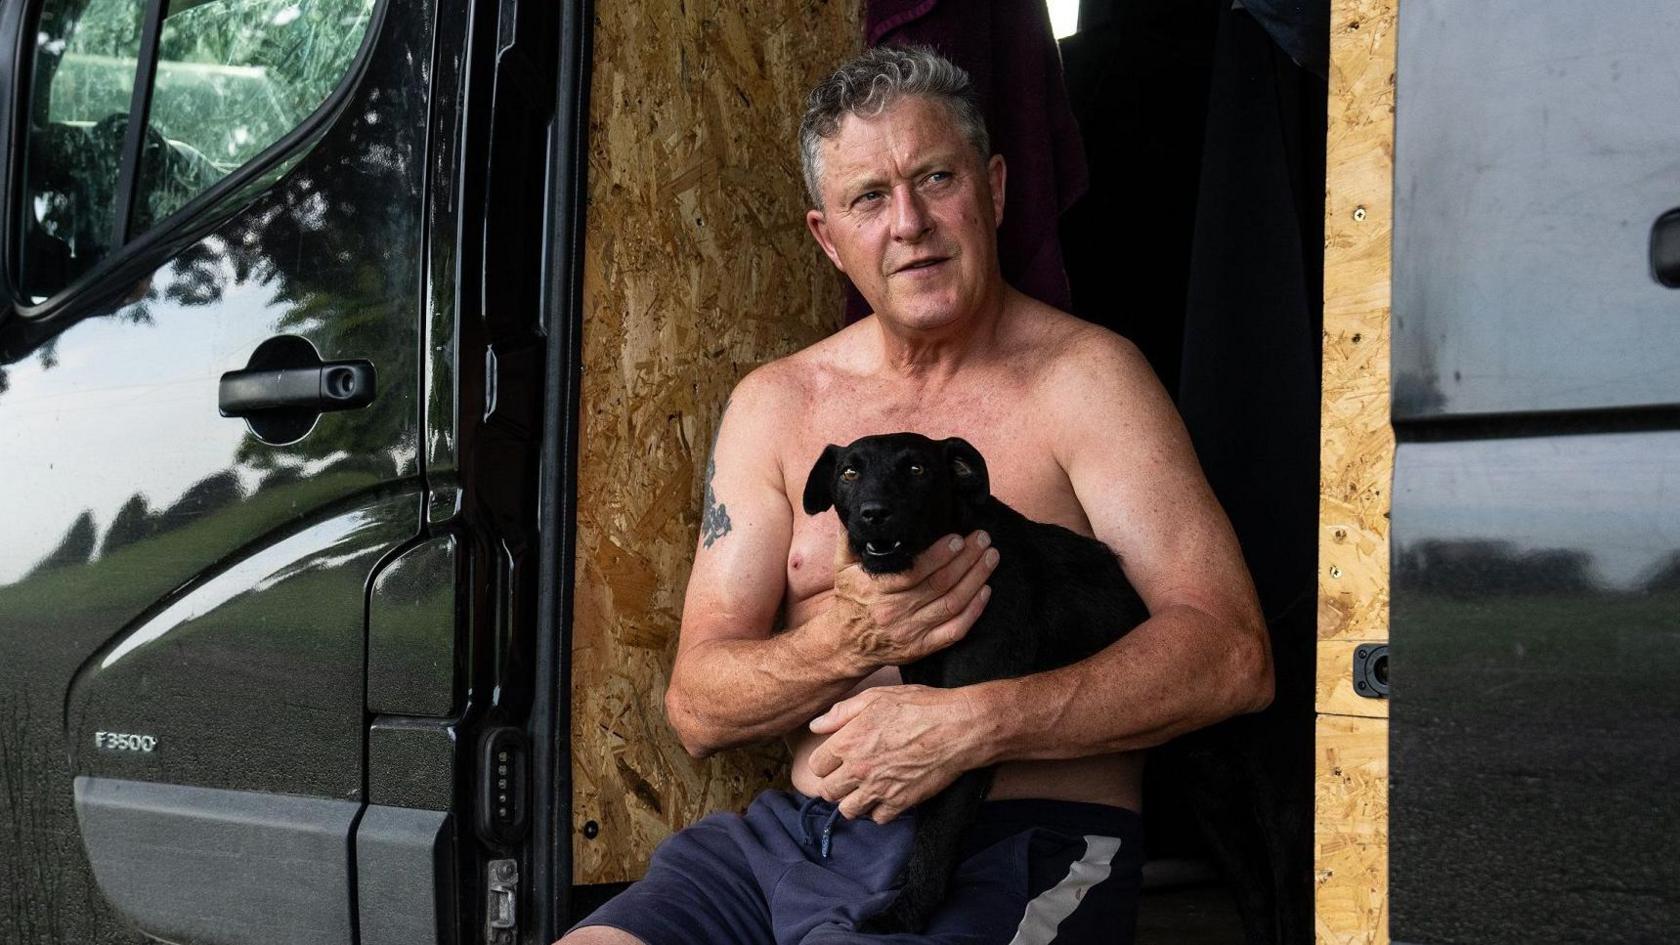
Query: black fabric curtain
x=1201 y=239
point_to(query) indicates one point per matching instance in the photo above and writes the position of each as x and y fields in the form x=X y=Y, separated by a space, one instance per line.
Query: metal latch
x=501 y=896
x=1370 y=670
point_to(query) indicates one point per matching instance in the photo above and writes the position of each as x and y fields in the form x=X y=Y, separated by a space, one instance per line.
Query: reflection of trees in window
x=333 y=240
x=233 y=77
x=76 y=547
x=133 y=522
x=1665 y=577
x=1476 y=566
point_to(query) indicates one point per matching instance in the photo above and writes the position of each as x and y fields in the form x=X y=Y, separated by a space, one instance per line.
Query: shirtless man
x=783 y=634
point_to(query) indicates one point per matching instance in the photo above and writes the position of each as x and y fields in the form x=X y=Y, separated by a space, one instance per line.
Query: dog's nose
x=874 y=513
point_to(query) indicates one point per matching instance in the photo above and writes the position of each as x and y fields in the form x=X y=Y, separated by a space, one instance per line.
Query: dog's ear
x=819 y=486
x=968 y=470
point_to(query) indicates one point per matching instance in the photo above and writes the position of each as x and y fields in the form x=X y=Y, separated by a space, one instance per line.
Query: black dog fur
x=1057 y=597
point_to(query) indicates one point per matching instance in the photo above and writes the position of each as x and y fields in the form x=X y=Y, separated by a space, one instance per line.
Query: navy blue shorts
x=1033 y=872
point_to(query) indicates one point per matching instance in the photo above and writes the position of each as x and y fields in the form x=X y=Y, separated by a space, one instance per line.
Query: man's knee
x=600 y=935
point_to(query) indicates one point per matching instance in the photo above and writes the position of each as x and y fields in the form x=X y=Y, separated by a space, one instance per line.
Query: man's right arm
x=736 y=681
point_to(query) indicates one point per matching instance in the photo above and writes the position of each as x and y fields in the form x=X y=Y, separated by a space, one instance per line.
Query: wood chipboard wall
x=1356 y=469
x=697 y=268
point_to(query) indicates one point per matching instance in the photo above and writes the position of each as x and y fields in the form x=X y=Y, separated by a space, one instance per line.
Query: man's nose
x=910 y=218
x=874 y=513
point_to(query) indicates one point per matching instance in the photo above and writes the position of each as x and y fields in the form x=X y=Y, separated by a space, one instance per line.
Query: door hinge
x=501 y=898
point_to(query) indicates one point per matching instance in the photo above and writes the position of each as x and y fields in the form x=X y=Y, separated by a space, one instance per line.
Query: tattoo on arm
x=714 y=516
x=714 y=519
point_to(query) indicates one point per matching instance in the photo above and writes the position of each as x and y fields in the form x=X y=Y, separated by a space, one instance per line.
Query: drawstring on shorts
x=826 y=843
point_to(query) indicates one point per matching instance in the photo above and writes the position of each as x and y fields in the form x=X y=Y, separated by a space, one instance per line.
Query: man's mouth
x=880 y=549
x=920 y=264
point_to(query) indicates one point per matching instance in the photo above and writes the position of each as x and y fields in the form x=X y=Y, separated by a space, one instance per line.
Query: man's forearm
x=727 y=693
x=1178 y=671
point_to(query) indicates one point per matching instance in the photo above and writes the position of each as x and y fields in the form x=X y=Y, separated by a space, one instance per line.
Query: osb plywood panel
x=697 y=268
x=1357 y=454
x=1336 y=694
x=1351 y=842
x=1356 y=469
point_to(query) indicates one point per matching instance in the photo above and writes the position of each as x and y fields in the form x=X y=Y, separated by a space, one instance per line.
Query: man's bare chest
x=1018 y=445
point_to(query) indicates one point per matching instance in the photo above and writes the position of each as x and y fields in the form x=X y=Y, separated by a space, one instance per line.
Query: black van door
x=1536 y=515
x=232 y=576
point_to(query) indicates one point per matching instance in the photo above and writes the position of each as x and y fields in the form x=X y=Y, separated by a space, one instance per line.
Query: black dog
x=1057 y=597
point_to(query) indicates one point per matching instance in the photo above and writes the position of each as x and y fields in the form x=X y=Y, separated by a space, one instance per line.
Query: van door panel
x=1534 y=149
x=191 y=864
x=1536 y=533
x=249 y=678
x=128 y=502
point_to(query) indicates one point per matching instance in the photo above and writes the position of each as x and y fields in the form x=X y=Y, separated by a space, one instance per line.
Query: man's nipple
x=795 y=561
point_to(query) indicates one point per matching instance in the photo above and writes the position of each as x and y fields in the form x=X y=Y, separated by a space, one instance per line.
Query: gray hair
x=868 y=84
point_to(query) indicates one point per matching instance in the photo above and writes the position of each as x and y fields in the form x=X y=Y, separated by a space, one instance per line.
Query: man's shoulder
x=1076 y=354
x=801 y=375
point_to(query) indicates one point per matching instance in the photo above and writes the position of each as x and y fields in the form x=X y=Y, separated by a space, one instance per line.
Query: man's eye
x=848 y=474
x=939 y=177
x=869 y=197
x=916 y=470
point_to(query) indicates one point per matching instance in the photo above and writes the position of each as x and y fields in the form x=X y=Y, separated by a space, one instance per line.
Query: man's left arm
x=1202 y=656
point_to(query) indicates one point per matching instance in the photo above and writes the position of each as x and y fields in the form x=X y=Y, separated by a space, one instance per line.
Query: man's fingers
x=884 y=813
x=836 y=788
x=824 y=762
x=954 y=601
x=855 y=805
x=940 y=555
x=956 y=628
x=841 y=712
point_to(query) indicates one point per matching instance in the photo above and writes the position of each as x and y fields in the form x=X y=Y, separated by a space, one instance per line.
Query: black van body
x=295 y=674
x=284 y=470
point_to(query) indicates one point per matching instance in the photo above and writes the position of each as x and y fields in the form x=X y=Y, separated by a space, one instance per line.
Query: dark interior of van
x=1200 y=239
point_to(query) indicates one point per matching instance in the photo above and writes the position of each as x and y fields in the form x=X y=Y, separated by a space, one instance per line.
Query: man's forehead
x=910 y=129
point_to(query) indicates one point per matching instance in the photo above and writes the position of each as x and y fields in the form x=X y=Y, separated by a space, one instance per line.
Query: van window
x=85 y=58
x=231 y=78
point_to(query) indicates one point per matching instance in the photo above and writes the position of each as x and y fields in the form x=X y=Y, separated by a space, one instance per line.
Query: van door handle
x=333 y=385
x=1665 y=249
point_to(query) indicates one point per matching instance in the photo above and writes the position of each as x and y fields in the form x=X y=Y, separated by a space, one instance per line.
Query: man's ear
x=998 y=176
x=819 y=486
x=967 y=469
x=817 y=223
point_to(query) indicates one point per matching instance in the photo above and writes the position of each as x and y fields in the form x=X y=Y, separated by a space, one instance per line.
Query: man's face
x=910 y=213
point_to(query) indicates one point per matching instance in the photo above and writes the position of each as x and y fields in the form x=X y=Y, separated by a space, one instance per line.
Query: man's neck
x=937 y=354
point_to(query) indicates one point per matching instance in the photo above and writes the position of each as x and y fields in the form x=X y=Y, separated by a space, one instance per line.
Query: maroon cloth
x=1010 y=53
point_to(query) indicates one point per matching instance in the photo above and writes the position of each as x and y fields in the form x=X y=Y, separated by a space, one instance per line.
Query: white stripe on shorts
x=1046 y=912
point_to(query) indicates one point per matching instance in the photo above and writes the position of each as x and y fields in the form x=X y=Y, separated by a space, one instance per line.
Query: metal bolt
x=1359 y=213
x=591 y=830
x=1335 y=572
x=504 y=870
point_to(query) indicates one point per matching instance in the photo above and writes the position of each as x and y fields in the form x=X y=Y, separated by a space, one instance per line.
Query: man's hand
x=893 y=619
x=893 y=747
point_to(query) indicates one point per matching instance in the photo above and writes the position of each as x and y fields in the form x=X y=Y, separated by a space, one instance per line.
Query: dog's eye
x=916 y=470
x=848 y=474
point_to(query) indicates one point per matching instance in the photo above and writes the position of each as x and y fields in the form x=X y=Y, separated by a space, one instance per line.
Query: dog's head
x=897 y=493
